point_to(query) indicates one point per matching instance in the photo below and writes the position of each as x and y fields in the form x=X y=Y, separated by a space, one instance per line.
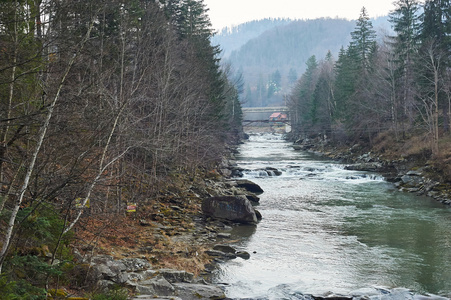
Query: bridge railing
x=265 y=109
x=263 y=114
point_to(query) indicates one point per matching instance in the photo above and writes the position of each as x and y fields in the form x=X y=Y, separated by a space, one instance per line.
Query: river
x=326 y=229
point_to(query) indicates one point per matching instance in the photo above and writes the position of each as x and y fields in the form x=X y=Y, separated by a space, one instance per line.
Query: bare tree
x=40 y=138
x=432 y=62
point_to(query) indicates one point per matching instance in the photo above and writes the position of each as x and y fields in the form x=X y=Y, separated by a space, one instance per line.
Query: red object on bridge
x=275 y=117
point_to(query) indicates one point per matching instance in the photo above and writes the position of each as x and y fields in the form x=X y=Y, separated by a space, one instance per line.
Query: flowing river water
x=327 y=229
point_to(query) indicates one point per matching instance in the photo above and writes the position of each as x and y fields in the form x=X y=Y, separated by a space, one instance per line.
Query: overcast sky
x=233 y=12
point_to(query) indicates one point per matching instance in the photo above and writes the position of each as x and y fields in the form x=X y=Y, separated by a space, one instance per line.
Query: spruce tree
x=302 y=97
x=346 y=75
x=406 y=24
x=436 y=35
x=363 y=39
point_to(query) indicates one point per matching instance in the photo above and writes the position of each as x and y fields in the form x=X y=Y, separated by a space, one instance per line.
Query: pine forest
x=114 y=113
x=102 y=102
x=391 y=92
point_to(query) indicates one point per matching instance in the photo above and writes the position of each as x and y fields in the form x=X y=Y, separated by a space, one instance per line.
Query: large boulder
x=136 y=264
x=157 y=285
x=235 y=209
x=189 y=291
x=249 y=186
x=174 y=276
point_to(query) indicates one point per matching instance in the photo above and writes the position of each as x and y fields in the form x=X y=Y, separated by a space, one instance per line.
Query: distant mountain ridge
x=262 y=48
x=232 y=38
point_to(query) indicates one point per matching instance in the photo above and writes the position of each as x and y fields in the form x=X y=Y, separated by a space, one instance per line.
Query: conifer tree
x=302 y=96
x=436 y=34
x=292 y=76
x=363 y=40
x=405 y=44
x=322 y=108
x=346 y=76
x=353 y=68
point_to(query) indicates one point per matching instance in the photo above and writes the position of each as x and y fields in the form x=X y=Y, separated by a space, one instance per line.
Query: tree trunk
x=41 y=135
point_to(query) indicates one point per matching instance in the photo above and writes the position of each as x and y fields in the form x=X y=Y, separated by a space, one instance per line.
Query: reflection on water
x=325 y=229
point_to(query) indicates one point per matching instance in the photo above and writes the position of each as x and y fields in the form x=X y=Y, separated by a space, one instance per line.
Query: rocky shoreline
x=211 y=225
x=407 y=174
x=222 y=203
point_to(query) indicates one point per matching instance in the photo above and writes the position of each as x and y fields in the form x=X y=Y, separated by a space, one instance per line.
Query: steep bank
x=411 y=171
x=167 y=247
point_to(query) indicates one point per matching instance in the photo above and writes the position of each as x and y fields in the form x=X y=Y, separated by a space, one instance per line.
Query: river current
x=327 y=229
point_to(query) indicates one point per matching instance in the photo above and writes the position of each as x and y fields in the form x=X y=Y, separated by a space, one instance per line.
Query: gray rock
x=237 y=172
x=230 y=208
x=412 y=180
x=226 y=172
x=116 y=266
x=140 y=276
x=418 y=172
x=273 y=171
x=121 y=278
x=365 y=292
x=154 y=286
x=249 y=186
x=188 y=291
x=244 y=197
x=224 y=248
x=258 y=215
x=243 y=254
x=371 y=167
x=151 y=297
x=220 y=254
x=429 y=297
x=135 y=264
x=144 y=289
x=112 y=271
x=223 y=235
x=103 y=272
x=106 y=268
x=252 y=198
x=174 y=276
x=101 y=259
x=105 y=285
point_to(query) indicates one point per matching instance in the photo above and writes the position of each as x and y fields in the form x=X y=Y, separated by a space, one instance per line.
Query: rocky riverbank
x=179 y=240
x=409 y=174
x=169 y=247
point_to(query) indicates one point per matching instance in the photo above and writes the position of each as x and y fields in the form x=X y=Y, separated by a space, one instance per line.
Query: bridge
x=256 y=114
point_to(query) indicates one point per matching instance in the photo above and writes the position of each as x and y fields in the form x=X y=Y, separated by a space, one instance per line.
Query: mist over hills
x=232 y=38
x=271 y=53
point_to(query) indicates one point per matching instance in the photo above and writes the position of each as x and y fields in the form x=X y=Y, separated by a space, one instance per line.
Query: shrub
x=28 y=266
x=19 y=290
x=114 y=294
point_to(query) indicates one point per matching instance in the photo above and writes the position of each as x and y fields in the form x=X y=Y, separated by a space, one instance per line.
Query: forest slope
x=277 y=55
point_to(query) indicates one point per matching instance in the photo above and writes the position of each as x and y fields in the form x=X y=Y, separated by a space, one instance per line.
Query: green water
x=328 y=229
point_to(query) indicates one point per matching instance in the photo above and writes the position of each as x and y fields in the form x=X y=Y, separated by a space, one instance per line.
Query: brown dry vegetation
x=387 y=145
x=443 y=160
x=148 y=233
x=417 y=150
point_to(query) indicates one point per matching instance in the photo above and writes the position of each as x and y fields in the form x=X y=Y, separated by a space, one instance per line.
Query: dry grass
x=124 y=236
x=385 y=143
x=417 y=146
x=443 y=159
x=390 y=147
x=418 y=149
x=184 y=256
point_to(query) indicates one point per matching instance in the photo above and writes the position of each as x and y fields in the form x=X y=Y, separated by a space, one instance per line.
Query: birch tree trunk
x=4 y=133
x=102 y=167
x=41 y=136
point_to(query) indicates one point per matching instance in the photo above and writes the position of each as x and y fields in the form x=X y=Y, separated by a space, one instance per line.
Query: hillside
x=232 y=38
x=272 y=61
